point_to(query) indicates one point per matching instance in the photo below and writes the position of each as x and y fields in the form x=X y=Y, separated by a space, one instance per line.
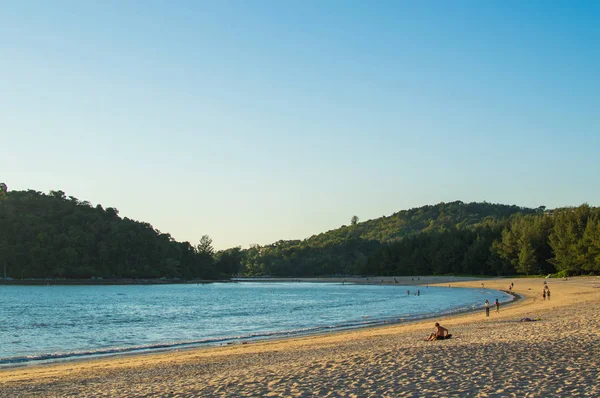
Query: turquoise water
x=45 y=323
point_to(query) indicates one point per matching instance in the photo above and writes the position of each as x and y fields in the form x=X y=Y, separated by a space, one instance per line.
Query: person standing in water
x=487 y=308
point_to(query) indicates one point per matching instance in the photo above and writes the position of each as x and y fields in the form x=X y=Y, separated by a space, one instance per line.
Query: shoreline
x=516 y=357
x=100 y=282
x=372 y=280
x=167 y=347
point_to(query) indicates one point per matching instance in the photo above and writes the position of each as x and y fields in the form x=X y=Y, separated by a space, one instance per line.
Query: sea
x=40 y=324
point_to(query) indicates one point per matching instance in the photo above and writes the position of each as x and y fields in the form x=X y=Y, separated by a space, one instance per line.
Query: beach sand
x=559 y=355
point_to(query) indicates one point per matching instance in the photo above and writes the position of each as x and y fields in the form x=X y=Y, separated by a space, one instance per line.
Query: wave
x=171 y=345
x=366 y=321
x=46 y=357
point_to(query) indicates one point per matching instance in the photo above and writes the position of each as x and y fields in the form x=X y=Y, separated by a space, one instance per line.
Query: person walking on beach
x=497 y=305
x=487 y=308
x=548 y=293
x=544 y=294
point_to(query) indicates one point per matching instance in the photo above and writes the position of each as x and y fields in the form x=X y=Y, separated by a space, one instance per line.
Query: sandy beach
x=558 y=355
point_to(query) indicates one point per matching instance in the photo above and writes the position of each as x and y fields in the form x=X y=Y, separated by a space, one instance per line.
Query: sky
x=255 y=121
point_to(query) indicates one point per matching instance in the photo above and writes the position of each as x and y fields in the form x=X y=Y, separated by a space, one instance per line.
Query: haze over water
x=54 y=322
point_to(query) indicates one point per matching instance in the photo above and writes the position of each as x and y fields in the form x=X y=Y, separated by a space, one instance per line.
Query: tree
x=3 y=191
x=55 y=235
x=566 y=238
x=590 y=246
x=205 y=246
x=527 y=260
x=228 y=262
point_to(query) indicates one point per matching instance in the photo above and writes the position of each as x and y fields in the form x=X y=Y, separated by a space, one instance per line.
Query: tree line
x=55 y=236
x=457 y=239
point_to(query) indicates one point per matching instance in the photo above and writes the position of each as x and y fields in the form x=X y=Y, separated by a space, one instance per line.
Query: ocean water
x=50 y=323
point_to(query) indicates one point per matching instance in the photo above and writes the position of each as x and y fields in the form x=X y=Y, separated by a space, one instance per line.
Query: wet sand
x=559 y=355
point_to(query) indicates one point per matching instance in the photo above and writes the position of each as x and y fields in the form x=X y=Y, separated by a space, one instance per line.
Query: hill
x=359 y=248
x=55 y=236
x=437 y=218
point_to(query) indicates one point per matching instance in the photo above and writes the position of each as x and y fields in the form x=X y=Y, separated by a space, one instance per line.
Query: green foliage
x=527 y=259
x=205 y=246
x=562 y=274
x=437 y=218
x=453 y=238
x=575 y=240
x=524 y=244
x=589 y=253
x=228 y=261
x=58 y=236
x=3 y=190
x=55 y=236
x=446 y=238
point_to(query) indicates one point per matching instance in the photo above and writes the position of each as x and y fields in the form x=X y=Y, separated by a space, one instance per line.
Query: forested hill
x=55 y=236
x=436 y=218
x=375 y=247
x=448 y=238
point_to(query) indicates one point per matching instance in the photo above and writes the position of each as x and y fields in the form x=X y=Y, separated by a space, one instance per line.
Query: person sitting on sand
x=441 y=333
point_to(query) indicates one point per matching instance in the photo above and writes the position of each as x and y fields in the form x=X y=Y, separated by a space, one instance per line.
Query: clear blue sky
x=254 y=121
